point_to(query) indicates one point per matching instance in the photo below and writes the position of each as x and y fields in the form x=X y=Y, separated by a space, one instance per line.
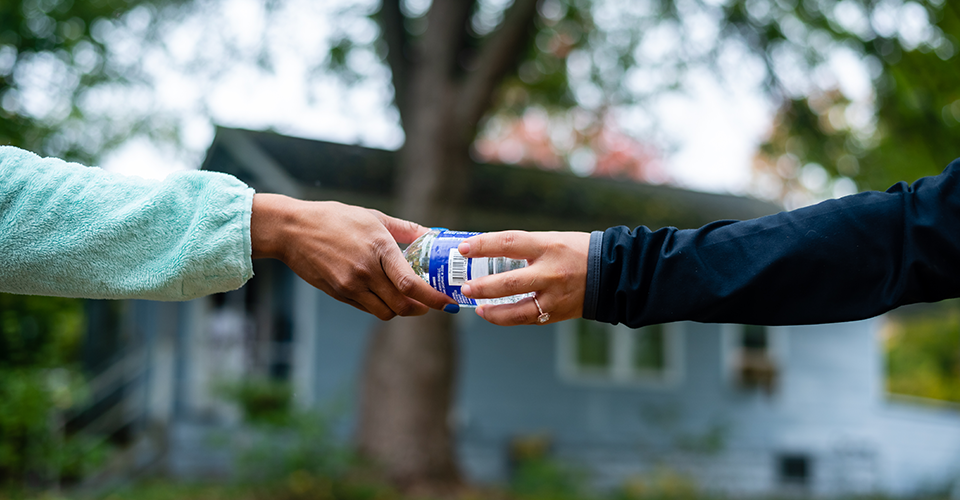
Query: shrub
x=39 y=342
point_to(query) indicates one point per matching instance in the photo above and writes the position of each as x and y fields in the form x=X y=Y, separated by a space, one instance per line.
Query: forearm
x=840 y=260
x=69 y=230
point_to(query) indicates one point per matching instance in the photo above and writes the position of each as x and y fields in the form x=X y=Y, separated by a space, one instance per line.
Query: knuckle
x=406 y=284
x=511 y=283
x=381 y=245
x=360 y=275
x=405 y=309
x=363 y=271
x=339 y=288
x=549 y=247
x=519 y=317
x=508 y=240
x=561 y=274
x=350 y=287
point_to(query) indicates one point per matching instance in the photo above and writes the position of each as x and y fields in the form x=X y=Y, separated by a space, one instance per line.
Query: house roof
x=502 y=196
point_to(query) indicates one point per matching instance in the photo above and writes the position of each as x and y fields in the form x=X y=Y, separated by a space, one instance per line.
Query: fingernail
x=451 y=308
x=480 y=311
x=465 y=289
x=463 y=248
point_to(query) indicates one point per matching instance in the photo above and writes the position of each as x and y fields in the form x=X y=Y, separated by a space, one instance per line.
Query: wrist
x=271 y=217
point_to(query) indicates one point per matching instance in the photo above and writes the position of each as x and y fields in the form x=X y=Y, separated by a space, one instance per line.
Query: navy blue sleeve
x=593 y=275
x=840 y=260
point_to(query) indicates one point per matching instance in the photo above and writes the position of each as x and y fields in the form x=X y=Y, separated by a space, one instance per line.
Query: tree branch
x=441 y=43
x=391 y=20
x=497 y=57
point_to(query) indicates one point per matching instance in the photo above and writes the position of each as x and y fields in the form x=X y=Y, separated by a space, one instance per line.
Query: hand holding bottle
x=349 y=252
x=557 y=273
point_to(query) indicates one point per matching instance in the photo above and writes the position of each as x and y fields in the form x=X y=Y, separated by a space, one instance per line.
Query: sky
x=714 y=126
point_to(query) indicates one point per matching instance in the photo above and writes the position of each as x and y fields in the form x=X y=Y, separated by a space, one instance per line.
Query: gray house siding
x=510 y=387
x=919 y=448
x=341 y=340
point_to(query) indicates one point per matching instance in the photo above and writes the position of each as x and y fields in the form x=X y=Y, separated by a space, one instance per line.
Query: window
x=920 y=346
x=598 y=352
x=649 y=349
x=754 y=339
x=794 y=470
x=592 y=346
x=752 y=356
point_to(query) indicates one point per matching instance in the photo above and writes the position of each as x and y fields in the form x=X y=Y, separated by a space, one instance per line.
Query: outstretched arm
x=839 y=260
x=68 y=230
x=73 y=231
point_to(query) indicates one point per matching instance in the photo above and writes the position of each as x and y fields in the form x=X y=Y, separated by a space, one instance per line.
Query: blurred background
x=481 y=115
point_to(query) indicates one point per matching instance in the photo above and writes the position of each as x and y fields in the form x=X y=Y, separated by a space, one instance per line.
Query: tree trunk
x=407 y=391
x=410 y=374
x=411 y=365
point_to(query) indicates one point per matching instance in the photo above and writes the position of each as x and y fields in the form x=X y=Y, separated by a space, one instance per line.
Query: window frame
x=621 y=371
x=730 y=350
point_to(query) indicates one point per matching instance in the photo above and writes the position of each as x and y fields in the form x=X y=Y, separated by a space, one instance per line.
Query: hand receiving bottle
x=435 y=258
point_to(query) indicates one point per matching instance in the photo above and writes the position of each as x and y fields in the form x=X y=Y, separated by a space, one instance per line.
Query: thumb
x=399 y=272
x=403 y=231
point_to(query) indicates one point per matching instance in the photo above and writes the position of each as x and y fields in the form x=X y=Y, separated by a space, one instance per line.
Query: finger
x=367 y=302
x=407 y=283
x=524 y=312
x=511 y=244
x=399 y=303
x=375 y=305
x=350 y=302
x=504 y=284
x=403 y=231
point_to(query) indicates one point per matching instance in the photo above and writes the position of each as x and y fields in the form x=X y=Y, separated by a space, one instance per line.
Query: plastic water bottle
x=434 y=257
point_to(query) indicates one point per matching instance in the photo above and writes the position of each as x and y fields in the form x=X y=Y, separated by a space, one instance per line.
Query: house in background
x=738 y=409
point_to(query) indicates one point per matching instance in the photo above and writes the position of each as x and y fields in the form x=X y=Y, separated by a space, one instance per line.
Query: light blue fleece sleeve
x=73 y=231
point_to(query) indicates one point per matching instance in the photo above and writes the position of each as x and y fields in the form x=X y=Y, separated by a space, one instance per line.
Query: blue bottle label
x=448 y=269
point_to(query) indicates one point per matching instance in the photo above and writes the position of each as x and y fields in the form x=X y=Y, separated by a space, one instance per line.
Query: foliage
x=303 y=443
x=263 y=401
x=589 y=55
x=39 y=342
x=922 y=353
x=540 y=479
x=601 y=58
x=166 y=490
x=540 y=77
x=907 y=128
x=537 y=476
x=56 y=72
x=299 y=456
x=39 y=331
x=544 y=479
x=162 y=490
x=919 y=115
x=661 y=484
